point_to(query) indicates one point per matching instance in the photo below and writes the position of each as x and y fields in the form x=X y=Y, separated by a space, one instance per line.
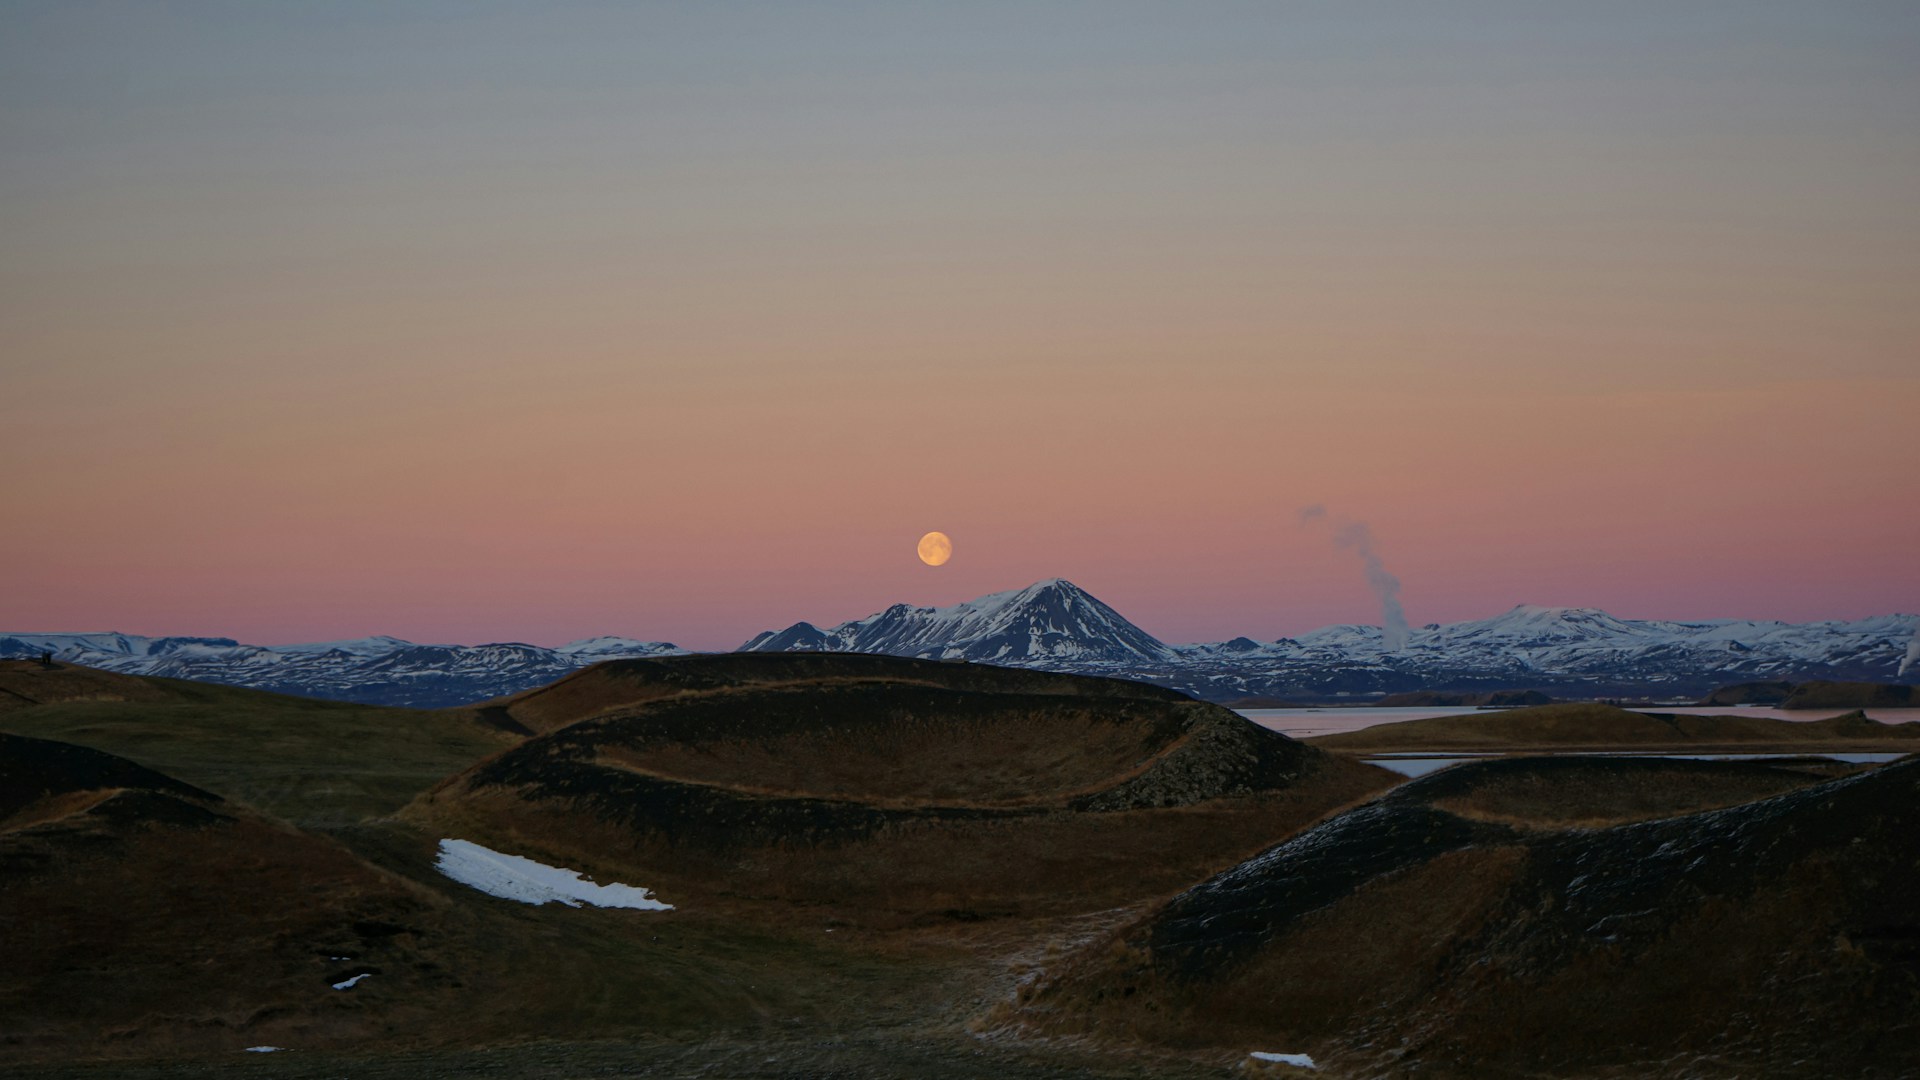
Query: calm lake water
x=1302 y=723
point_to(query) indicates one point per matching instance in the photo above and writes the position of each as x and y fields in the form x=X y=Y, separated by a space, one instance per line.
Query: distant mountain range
x=1056 y=625
x=1571 y=651
x=374 y=671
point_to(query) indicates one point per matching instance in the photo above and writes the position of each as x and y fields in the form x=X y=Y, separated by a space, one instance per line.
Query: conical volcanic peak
x=1048 y=622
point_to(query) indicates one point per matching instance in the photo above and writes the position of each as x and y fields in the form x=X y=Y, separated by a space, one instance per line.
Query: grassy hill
x=315 y=763
x=1852 y=695
x=190 y=939
x=149 y=918
x=895 y=800
x=146 y=910
x=1605 y=727
x=1774 y=937
x=1818 y=695
x=865 y=856
x=602 y=688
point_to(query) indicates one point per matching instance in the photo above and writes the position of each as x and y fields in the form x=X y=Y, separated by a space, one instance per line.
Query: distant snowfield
x=512 y=877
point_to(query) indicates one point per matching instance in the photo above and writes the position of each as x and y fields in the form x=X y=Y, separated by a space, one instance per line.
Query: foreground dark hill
x=890 y=789
x=143 y=910
x=151 y=920
x=1776 y=937
x=1605 y=727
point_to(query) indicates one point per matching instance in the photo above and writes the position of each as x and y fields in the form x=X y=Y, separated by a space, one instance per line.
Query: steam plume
x=1358 y=538
x=1913 y=654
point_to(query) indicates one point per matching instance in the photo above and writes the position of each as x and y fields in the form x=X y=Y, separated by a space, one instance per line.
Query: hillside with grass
x=618 y=684
x=1574 y=726
x=315 y=763
x=1472 y=925
x=146 y=912
x=881 y=866
x=227 y=859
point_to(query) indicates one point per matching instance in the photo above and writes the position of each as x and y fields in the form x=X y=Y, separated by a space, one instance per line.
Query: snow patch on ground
x=348 y=984
x=1301 y=1060
x=264 y=1049
x=512 y=877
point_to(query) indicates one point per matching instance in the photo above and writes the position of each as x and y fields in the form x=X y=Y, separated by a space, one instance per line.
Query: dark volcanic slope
x=38 y=774
x=900 y=794
x=1779 y=937
x=136 y=905
x=617 y=684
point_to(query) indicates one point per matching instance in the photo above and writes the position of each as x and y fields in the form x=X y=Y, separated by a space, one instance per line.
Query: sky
x=469 y=321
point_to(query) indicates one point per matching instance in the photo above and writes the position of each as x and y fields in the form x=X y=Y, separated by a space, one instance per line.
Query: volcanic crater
x=898 y=784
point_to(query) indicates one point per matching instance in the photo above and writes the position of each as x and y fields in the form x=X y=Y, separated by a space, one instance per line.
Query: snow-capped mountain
x=1047 y=624
x=1568 y=650
x=374 y=670
x=1587 y=640
x=1055 y=625
x=1059 y=626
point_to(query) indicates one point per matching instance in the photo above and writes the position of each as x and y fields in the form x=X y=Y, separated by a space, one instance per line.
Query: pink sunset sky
x=475 y=324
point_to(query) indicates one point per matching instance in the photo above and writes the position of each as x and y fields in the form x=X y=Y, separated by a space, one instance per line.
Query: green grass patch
x=318 y=764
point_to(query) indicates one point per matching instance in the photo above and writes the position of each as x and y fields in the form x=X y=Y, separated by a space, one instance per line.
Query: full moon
x=935 y=548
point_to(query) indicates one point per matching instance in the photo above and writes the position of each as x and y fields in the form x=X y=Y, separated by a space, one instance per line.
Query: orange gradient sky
x=466 y=322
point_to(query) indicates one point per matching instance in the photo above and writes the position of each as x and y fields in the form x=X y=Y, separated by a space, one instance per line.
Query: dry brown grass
x=1369 y=955
x=157 y=921
x=921 y=871
x=997 y=758
x=146 y=936
x=1771 y=939
x=160 y=941
x=894 y=803
x=315 y=763
x=156 y=940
